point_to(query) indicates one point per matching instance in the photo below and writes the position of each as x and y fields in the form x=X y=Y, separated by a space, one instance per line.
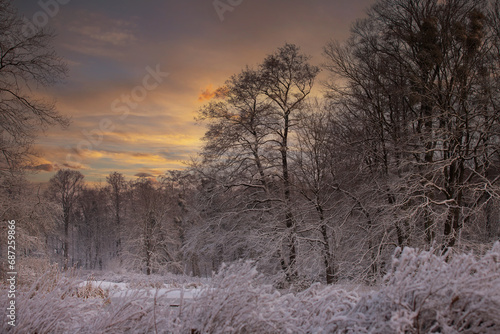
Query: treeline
x=402 y=150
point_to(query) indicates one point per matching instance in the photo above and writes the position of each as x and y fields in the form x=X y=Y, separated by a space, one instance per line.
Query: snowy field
x=422 y=293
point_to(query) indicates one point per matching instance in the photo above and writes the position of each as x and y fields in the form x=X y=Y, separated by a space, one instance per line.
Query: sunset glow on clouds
x=207 y=94
x=112 y=47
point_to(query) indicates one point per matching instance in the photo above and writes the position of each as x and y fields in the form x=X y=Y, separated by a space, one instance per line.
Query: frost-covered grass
x=422 y=293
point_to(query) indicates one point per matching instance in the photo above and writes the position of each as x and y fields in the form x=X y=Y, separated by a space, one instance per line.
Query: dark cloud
x=177 y=154
x=44 y=167
x=141 y=155
x=144 y=175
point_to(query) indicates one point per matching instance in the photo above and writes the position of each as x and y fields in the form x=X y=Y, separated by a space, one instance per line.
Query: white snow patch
x=174 y=295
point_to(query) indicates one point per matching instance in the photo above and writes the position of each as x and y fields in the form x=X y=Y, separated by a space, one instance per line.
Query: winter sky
x=127 y=114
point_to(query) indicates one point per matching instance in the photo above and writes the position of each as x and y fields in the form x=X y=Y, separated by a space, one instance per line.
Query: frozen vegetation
x=421 y=293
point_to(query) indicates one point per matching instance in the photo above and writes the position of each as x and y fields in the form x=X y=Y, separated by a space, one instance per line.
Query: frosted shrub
x=57 y=304
x=423 y=293
x=48 y=306
x=320 y=308
x=31 y=268
x=236 y=302
x=134 y=314
x=240 y=302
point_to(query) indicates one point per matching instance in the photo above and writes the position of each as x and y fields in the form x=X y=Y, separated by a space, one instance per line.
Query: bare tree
x=150 y=238
x=64 y=188
x=238 y=132
x=95 y=229
x=248 y=140
x=419 y=85
x=288 y=79
x=313 y=170
x=24 y=203
x=118 y=185
x=26 y=60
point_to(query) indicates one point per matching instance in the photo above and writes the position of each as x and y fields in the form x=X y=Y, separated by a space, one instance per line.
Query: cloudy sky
x=140 y=70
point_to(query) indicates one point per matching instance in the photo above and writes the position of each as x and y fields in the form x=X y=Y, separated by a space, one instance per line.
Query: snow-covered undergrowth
x=422 y=293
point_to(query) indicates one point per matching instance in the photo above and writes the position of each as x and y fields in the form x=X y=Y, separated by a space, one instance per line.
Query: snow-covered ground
x=170 y=293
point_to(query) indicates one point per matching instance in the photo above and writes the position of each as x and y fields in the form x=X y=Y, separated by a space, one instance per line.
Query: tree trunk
x=291 y=271
x=331 y=277
x=66 y=240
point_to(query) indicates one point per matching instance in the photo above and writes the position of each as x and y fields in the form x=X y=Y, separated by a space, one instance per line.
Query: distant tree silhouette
x=64 y=188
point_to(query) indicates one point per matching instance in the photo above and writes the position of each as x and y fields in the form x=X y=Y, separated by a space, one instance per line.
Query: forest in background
x=402 y=150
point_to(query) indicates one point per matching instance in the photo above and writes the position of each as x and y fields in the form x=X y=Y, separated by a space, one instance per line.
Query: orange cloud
x=43 y=167
x=207 y=94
